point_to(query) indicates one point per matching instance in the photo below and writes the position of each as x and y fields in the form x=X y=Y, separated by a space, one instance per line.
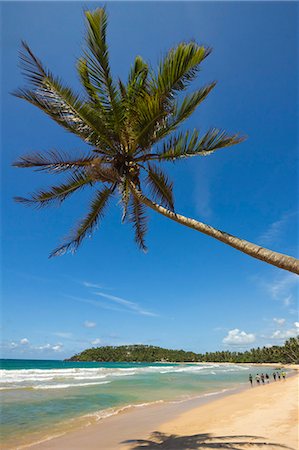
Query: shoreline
x=138 y=422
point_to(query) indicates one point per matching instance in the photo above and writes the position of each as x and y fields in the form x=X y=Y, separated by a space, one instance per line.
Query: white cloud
x=43 y=347
x=275 y=230
x=286 y=334
x=57 y=348
x=238 y=337
x=24 y=341
x=95 y=303
x=296 y=324
x=89 y=324
x=96 y=341
x=282 y=286
x=287 y=301
x=92 y=285
x=279 y=321
x=63 y=334
x=13 y=345
x=50 y=347
x=127 y=304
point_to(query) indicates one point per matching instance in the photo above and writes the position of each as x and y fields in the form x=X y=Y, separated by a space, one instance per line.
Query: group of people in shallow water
x=265 y=378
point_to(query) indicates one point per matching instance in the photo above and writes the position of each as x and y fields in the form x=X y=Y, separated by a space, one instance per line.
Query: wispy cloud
x=279 y=321
x=95 y=303
x=203 y=190
x=127 y=304
x=25 y=347
x=92 y=285
x=63 y=334
x=276 y=229
x=286 y=334
x=282 y=289
x=89 y=324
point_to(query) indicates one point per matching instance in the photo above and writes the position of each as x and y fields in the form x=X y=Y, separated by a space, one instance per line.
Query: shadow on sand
x=161 y=441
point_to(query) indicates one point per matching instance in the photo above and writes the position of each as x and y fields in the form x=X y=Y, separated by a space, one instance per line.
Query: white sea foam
x=65 y=385
x=31 y=378
x=99 y=415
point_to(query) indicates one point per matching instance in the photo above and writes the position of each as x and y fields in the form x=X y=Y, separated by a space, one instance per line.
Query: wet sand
x=260 y=417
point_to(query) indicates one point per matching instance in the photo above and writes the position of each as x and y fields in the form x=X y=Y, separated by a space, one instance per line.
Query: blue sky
x=188 y=291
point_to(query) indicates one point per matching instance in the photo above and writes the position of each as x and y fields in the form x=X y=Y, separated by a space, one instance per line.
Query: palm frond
x=189 y=105
x=186 y=144
x=57 y=193
x=54 y=161
x=160 y=186
x=149 y=119
x=178 y=69
x=82 y=68
x=87 y=225
x=159 y=112
x=181 y=112
x=98 y=67
x=136 y=91
x=136 y=215
x=60 y=102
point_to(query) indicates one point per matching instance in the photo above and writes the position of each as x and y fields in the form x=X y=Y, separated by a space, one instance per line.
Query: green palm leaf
x=182 y=111
x=57 y=193
x=189 y=105
x=160 y=186
x=178 y=69
x=136 y=215
x=60 y=103
x=186 y=144
x=87 y=225
x=54 y=161
x=98 y=67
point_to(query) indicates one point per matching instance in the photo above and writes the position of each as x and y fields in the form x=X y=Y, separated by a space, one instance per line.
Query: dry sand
x=263 y=417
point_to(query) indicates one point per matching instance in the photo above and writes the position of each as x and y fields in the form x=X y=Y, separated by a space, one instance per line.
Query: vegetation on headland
x=131 y=128
x=285 y=354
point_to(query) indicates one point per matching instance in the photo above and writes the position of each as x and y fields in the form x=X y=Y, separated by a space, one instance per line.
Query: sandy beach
x=260 y=417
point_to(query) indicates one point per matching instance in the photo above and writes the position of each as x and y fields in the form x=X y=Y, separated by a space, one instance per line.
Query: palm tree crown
x=130 y=128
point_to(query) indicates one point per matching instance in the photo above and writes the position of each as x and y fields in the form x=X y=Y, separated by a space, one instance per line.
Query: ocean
x=40 y=399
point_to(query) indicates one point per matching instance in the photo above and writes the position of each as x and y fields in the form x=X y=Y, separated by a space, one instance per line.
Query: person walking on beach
x=267 y=378
x=257 y=378
x=274 y=376
x=263 y=378
x=250 y=379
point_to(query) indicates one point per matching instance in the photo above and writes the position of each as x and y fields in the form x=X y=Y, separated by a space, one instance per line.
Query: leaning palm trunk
x=256 y=251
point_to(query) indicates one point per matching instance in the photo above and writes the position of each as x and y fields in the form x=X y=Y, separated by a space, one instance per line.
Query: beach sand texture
x=263 y=417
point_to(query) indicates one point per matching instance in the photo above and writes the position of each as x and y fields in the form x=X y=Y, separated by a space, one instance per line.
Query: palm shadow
x=162 y=441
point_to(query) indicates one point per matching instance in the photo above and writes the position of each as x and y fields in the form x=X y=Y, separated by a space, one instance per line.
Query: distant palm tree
x=123 y=124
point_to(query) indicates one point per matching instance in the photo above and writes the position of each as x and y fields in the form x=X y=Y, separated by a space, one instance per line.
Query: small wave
x=65 y=385
x=100 y=415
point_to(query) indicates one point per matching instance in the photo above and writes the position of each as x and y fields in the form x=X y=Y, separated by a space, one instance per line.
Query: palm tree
x=130 y=128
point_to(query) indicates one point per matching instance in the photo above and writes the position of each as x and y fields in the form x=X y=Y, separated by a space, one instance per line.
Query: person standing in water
x=257 y=378
x=283 y=374
x=274 y=376
x=250 y=379
x=267 y=378
x=263 y=378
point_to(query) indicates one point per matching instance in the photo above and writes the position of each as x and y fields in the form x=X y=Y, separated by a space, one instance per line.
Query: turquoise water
x=43 y=398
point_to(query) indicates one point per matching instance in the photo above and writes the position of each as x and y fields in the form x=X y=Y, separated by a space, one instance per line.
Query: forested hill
x=130 y=353
x=286 y=354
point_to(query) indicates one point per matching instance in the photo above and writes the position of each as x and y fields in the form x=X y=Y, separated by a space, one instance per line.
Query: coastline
x=193 y=419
